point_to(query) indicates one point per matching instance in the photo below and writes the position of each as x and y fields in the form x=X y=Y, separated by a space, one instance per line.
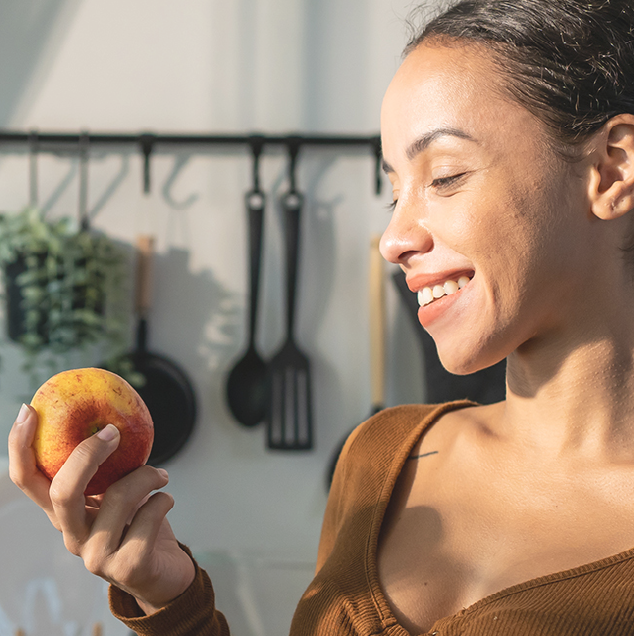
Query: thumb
x=85 y=459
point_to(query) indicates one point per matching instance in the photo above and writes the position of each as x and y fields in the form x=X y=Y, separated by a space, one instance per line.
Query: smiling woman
x=479 y=194
x=508 y=136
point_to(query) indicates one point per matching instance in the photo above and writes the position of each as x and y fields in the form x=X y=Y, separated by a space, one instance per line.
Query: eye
x=446 y=182
x=392 y=206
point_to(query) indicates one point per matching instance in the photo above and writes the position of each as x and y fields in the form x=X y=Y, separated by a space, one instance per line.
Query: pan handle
x=143 y=300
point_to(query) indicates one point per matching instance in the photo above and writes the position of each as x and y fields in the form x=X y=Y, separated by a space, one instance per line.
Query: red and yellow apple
x=75 y=404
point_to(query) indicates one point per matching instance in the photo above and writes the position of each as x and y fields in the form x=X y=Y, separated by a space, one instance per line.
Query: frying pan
x=167 y=391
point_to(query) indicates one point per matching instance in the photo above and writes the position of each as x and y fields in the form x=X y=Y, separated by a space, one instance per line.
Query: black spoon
x=246 y=384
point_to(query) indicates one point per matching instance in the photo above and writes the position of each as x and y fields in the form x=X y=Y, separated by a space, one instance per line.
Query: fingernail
x=23 y=414
x=108 y=433
x=163 y=472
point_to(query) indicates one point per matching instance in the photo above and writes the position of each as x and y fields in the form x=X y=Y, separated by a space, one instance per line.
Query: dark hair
x=569 y=62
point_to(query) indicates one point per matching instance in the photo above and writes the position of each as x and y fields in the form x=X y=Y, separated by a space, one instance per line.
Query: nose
x=405 y=236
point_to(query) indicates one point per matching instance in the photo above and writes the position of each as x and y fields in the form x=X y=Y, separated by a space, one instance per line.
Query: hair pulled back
x=569 y=62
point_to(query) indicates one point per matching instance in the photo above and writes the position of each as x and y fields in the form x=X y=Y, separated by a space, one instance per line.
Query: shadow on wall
x=28 y=31
x=195 y=321
x=207 y=315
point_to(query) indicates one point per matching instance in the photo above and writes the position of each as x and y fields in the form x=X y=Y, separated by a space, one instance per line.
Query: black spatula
x=289 y=415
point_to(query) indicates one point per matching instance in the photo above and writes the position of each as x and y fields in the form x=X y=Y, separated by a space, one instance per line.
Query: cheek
x=506 y=239
x=487 y=229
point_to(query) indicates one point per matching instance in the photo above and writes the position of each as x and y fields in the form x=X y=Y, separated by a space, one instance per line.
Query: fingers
x=146 y=525
x=122 y=505
x=23 y=469
x=148 y=535
x=68 y=486
x=120 y=552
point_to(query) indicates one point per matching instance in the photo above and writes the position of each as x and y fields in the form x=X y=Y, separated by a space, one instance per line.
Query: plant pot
x=17 y=307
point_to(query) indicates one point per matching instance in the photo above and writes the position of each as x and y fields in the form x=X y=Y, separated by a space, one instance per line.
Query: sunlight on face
x=478 y=192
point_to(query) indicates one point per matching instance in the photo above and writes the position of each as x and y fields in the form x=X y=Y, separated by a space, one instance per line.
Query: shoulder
x=393 y=427
x=380 y=445
x=369 y=464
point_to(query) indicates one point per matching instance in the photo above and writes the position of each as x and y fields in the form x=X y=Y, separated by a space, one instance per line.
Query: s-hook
x=34 y=144
x=146 y=141
x=293 y=145
x=84 y=151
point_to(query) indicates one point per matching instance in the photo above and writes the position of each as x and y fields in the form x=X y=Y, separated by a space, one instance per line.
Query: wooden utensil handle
x=145 y=251
x=377 y=324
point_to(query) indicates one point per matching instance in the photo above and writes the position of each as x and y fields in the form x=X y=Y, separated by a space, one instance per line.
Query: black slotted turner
x=289 y=413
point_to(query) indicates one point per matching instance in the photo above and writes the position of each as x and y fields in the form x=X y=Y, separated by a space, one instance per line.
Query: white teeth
x=429 y=294
x=451 y=287
x=425 y=296
x=438 y=291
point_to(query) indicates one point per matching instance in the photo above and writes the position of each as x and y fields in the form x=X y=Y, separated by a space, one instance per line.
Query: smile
x=428 y=295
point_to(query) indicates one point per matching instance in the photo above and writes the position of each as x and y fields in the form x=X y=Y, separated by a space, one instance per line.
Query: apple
x=75 y=404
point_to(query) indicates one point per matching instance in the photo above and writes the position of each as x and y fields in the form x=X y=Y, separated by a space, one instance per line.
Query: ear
x=611 y=186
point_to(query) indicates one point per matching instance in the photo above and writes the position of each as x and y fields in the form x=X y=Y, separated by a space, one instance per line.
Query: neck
x=574 y=396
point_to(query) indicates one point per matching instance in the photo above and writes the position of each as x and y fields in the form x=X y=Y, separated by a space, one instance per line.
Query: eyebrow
x=424 y=141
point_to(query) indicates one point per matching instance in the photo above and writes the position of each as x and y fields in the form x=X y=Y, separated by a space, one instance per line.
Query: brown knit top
x=345 y=598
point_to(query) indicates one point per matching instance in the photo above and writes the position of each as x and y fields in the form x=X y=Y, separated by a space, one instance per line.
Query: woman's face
x=480 y=197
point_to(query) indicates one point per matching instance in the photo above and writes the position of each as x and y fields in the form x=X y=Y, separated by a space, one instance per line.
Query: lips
x=438 y=291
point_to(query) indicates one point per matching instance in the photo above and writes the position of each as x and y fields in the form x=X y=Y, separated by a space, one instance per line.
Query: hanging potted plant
x=64 y=290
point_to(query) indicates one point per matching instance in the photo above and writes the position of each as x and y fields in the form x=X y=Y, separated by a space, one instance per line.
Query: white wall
x=217 y=66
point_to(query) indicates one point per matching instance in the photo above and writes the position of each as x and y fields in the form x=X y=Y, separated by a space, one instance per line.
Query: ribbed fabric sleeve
x=192 y=613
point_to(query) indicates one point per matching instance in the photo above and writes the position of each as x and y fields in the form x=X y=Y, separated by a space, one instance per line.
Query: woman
x=508 y=136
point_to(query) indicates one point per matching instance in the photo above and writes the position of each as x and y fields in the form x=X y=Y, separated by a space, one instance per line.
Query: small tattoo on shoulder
x=423 y=455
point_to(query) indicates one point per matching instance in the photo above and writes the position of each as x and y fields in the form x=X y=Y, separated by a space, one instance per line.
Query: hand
x=123 y=535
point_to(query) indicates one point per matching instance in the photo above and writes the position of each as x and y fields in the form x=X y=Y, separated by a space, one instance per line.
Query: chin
x=465 y=360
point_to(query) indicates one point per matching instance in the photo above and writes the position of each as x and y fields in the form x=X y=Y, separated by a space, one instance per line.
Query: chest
x=452 y=536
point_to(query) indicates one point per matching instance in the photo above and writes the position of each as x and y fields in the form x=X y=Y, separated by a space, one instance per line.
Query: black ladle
x=247 y=382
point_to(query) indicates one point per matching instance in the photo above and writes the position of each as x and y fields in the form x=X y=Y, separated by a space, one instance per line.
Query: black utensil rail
x=165 y=143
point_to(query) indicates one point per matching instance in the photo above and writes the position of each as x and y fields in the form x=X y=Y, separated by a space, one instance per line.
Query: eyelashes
x=440 y=184
x=445 y=182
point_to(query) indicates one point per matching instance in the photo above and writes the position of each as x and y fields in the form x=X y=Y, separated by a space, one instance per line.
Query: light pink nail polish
x=108 y=433
x=23 y=414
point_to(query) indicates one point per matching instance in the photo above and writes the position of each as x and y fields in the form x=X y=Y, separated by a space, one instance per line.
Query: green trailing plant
x=65 y=292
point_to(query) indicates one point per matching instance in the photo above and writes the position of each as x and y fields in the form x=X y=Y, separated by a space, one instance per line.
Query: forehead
x=453 y=87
